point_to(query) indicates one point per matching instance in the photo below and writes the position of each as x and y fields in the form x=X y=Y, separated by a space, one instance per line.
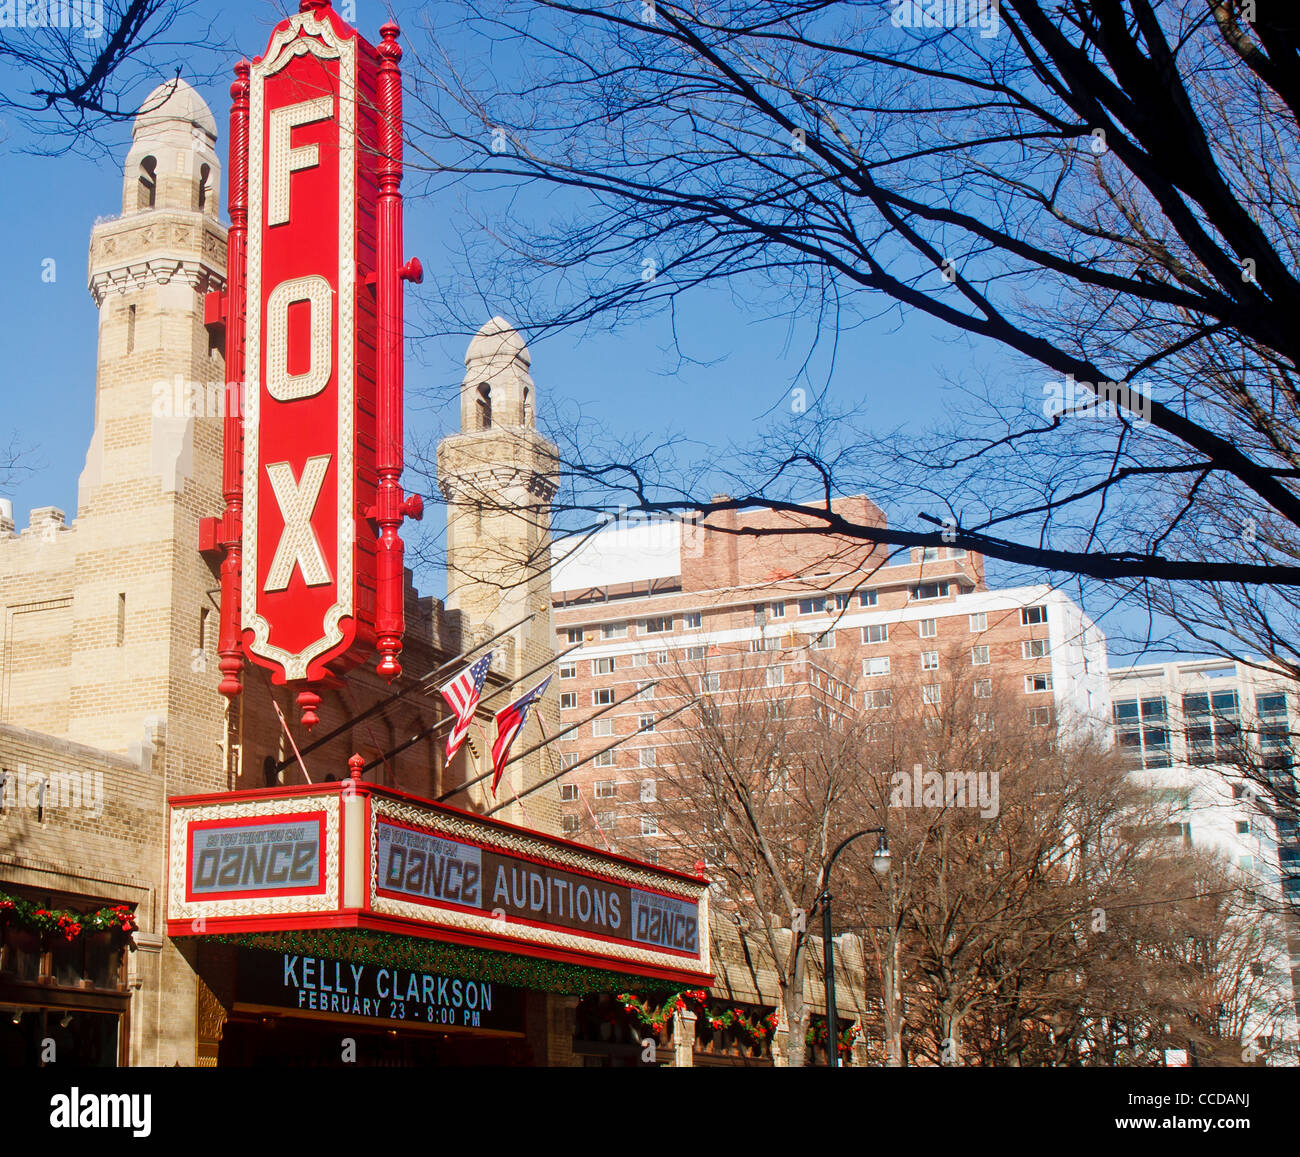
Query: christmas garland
x=847 y=1038
x=756 y=1029
x=64 y=922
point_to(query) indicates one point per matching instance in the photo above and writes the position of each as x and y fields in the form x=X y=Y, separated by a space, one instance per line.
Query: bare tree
x=1105 y=190
x=76 y=67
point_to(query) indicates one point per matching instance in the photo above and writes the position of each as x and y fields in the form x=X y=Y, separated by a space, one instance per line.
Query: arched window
x=204 y=172
x=484 y=406
x=148 y=183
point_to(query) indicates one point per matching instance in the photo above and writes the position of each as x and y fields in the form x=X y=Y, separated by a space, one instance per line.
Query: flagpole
x=417 y=685
x=446 y=795
x=594 y=755
x=426 y=732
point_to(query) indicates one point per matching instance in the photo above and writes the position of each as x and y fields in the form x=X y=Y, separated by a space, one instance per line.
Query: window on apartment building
x=1141 y=727
x=1243 y=827
x=573 y=634
x=979 y=656
x=645 y=722
x=1213 y=730
x=1271 y=706
x=568 y=792
x=604 y=759
x=843 y=601
x=1039 y=681
x=876 y=666
x=776 y=610
x=1031 y=616
x=1040 y=716
x=647 y=756
x=776 y=676
x=649 y=790
x=613 y=630
x=770 y=643
x=602 y=697
x=634 y=660
x=569 y=824
x=695 y=654
x=928 y=628
x=922 y=591
x=760 y=616
x=928 y=554
x=649 y=826
x=1034 y=648
x=606 y=821
x=692 y=621
x=709 y=683
x=824 y=642
x=983 y=721
x=605 y=789
x=568 y=699
x=979 y=622
x=568 y=670
x=602 y=666
x=929 y=660
x=930 y=692
x=645 y=690
x=602 y=727
x=873 y=700
x=876 y=633
x=812 y=606
x=659 y=625
x=659 y=658
x=983 y=688
x=868 y=598
x=569 y=758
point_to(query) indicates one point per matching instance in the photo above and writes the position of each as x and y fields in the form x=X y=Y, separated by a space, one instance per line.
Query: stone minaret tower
x=498 y=476
x=144 y=623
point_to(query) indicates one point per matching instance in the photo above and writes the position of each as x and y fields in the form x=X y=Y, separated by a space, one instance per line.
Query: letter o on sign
x=280 y=383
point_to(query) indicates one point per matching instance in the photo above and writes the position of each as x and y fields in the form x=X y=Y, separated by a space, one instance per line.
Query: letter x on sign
x=299 y=545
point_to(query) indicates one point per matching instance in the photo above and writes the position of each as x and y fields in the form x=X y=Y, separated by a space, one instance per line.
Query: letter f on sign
x=285 y=160
x=299 y=545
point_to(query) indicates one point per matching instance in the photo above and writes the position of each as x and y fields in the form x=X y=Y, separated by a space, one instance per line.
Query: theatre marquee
x=352 y=855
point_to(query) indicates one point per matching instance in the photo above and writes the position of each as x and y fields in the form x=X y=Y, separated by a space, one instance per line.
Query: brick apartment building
x=831 y=623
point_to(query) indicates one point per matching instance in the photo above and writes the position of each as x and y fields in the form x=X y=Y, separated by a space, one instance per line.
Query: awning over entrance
x=351 y=870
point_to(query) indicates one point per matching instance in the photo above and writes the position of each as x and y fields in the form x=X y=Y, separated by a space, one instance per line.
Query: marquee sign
x=312 y=577
x=356 y=856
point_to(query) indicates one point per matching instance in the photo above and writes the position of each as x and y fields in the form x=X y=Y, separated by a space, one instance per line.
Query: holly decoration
x=755 y=1029
x=847 y=1038
x=23 y=914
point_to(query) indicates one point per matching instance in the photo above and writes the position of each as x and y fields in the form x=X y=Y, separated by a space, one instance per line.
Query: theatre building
x=196 y=878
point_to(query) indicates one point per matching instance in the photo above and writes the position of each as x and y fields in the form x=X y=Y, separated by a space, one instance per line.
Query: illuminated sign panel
x=308 y=567
x=434 y=870
x=227 y=858
x=311 y=984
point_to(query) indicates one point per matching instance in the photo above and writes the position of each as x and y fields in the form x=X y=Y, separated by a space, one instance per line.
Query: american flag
x=462 y=695
x=509 y=722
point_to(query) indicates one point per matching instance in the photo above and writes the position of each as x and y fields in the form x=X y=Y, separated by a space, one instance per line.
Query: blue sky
x=630 y=381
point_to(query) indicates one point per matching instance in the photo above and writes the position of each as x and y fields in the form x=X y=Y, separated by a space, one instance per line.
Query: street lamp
x=880 y=864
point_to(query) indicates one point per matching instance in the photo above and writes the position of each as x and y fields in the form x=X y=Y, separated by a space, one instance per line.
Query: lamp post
x=880 y=864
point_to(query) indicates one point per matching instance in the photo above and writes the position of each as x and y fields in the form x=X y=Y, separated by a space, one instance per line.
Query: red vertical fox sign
x=314 y=324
